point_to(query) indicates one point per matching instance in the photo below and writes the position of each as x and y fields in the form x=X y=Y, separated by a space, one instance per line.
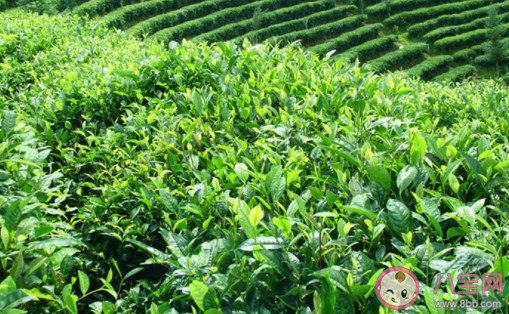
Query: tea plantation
x=142 y=176
x=433 y=39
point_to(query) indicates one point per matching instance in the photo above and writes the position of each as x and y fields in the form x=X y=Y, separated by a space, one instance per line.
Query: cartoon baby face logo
x=397 y=288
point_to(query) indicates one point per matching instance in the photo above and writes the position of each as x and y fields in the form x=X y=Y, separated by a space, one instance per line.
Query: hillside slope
x=453 y=30
x=137 y=177
x=432 y=39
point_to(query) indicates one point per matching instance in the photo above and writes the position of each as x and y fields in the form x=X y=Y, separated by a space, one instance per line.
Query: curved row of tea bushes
x=426 y=69
x=397 y=6
x=397 y=57
x=367 y=50
x=419 y=15
x=457 y=74
x=469 y=54
x=189 y=13
x=487 y=61
x=348 y=40
x=143 y=10
x=297 y=12
x=219 y=19
x=446 y=31
x=454 y=19
x=301 y=24
x=466 y=39
x=321 y=32
x=100 y=7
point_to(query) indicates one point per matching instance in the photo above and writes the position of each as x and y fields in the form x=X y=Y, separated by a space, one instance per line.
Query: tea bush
x=348 y=39
x=430 y=66
x=398 y=57
x=423 y=14
x=323 y=32
x=454 y=19
x=219 y=19
x=302 y=24
x=456 y=74
x=137 y=177
x=188 y=13
x=99 y=7
x=368 y=49
x=467 y=39
x=442 y=32
x=403 y=5
x=129 y=13
x=306 y=10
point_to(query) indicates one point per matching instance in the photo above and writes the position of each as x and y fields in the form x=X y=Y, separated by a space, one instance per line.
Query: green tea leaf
x=278 y=187
x=66 y=265
x=84 y=282
x=8 y=121
x=430 y=207
x=398 y=217
x=360 y=211
x=381 y=176
x=406 y=176
x=12 y=216
x=7 y=286
x=108 y=307
x=198 y=291
x=327 y=296
x=255 y=216
x=430 y=297
x=282 y=223
x=242 y=172
x=418 y=148
x=71 y=303
x=169 y=201
x=245 y=221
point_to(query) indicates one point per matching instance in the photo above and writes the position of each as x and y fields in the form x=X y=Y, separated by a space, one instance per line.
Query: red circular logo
x=397 y=288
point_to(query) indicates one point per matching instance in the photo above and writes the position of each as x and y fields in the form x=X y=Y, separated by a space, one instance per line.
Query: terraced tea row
x=465 y=34
x=391 y=35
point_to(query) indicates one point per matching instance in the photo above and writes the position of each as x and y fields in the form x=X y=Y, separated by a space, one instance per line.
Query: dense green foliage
x=188 y=13
x=468 y=54
x=98 y=7
x=419 y=15
x=367 y=29
x=466 y=39
x=397 y=57
x=367 y=50
x=138 y=11
x=324 y=32
x=302 y=24
x=348 y=40
x=430 y=66
x=137 y=177
x=456 y=74
x=454 y=19
x=402 y=5
x=313 y=13
x=194 y=28
x=446 y=31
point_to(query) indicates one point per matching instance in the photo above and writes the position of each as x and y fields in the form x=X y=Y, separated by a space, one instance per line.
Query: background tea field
x=433 y=39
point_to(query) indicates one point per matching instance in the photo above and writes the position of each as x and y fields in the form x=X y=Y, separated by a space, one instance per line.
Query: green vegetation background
x=138 y=177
